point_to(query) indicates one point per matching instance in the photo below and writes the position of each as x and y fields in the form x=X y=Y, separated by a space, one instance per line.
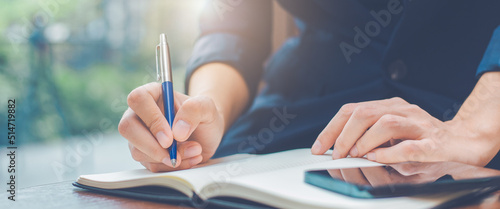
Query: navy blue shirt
x=426 y=52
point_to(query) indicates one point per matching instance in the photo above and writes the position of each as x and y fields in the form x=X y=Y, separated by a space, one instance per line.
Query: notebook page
x=217 y=170
x=123 y=179
x=227 y=171
x=288 y=185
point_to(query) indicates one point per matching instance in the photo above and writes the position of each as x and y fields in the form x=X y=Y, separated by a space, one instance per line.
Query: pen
x=164 y=72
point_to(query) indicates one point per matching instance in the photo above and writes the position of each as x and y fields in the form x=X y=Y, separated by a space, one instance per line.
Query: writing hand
x=198 y=128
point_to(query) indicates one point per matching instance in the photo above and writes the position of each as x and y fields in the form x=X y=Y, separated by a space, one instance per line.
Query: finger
x=412 y=173
x=354 y=175
x=335 y=173
x=406 y=169
x=140 y=137
x=420 y=168
x=327 y=137
x=387 y=128
x=363 y=117
x=423 y=172
x=179 y=99
x=160 y=167
x=146 y=102
x=399 y=175
x=332 y=131
x=192 y=112
x=138 y=155
x=424 y=150
x=376 y=176
x=185 y=150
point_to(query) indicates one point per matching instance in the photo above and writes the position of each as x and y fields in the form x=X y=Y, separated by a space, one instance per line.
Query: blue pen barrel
x=168 y=102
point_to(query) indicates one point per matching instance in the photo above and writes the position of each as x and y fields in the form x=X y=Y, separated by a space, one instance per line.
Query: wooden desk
x=64 y=195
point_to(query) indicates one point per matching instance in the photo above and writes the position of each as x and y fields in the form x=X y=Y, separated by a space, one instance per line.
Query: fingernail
x=316 y=148
x=371 y=156
x=354 y=152
x=192 y=151
x=195 y=161
x=167 y=161
x=335 y=154
x=162 y=139
x=181 y=129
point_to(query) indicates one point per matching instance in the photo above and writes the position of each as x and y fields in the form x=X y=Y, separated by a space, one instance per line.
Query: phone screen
x=404 y=179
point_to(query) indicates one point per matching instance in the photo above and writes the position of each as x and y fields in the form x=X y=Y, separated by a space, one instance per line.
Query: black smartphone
x=404 y=179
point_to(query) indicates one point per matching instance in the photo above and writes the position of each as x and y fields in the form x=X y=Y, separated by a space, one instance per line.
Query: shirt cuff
x=234 y=50
x=491 y=58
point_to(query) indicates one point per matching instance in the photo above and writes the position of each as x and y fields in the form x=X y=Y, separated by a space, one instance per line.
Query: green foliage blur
x=71 y=65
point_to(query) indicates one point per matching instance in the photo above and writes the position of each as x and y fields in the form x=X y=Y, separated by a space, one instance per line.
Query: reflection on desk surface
x=411 y=173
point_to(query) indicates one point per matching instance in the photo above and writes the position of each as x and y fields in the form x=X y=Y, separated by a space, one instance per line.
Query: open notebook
x=273 y=179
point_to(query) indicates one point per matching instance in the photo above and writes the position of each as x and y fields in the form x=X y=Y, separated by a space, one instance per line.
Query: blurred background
x=70 y=66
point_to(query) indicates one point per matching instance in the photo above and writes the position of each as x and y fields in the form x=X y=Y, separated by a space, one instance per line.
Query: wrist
x=480 y=124
x=477 y=143
x=479 y=117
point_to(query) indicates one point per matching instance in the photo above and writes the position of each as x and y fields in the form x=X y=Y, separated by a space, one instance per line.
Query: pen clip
x=157 y=65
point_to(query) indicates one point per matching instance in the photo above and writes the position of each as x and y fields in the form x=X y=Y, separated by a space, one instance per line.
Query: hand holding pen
x=197 y=126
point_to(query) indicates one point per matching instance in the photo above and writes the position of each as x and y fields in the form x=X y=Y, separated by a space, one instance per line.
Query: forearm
x=225 y=86
x=480 y=113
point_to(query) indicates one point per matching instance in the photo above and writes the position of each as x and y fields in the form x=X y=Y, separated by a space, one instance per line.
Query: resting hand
x=392 y=130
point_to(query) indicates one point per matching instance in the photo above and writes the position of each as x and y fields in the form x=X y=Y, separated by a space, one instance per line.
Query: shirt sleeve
x=237 y=33
x=491 y=58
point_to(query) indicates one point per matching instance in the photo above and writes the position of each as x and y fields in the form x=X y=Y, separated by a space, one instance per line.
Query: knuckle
x=201 y=106
x=210 y=108
x=135 y=97
x=428 y=147
x=158 y=154
x=412 y=108
x=208 y=103
x=398 y=100
x=135 y=154
x=390 y=121
x=123 y=126
x=193 y=105
x=426 y=125
x=413 y=151
x=155 y=123
x=340 y=145
x=365 y=111
x=204 y=103
x=347 y=109
x=203 y=99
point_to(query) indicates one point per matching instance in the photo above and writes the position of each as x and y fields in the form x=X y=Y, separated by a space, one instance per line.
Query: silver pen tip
x=174 y=161
x=163 y=38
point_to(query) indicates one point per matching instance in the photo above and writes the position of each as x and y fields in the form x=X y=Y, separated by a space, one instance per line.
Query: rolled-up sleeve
x=237 y=33
x=491 y=58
